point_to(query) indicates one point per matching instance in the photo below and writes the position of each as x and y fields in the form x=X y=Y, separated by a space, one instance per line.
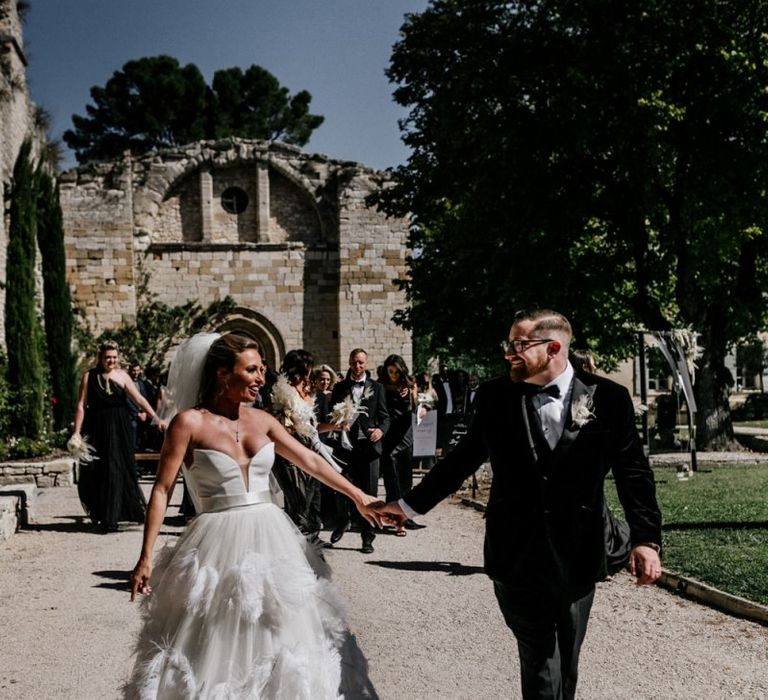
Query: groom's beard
x=525 y=370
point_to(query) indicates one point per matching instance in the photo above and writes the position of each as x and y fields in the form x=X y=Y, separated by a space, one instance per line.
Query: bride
x=240 y=607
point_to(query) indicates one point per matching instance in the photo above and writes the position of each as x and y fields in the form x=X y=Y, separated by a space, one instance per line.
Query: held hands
x=140 y=579
x=644 y=563
x=367 y=506
x=374 y=434
x=391 y=514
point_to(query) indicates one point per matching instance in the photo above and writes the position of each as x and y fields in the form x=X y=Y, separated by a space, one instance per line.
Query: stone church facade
x=288 y=235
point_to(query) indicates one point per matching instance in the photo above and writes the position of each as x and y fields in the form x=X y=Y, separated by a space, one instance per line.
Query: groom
x=551 y=435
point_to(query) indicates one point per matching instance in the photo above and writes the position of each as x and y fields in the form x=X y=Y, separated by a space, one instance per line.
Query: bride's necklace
x=106 y=386
x=228 y=425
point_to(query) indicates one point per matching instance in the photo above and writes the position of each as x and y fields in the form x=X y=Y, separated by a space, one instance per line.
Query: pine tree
x=57 y=308
x=22 y=326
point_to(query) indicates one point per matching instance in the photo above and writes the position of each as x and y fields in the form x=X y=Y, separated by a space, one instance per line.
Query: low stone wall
x=56 y=472
x=17 y=507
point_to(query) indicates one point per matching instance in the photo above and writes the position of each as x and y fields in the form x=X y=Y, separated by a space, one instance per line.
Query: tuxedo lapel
x=580 y=392
x=521 y=408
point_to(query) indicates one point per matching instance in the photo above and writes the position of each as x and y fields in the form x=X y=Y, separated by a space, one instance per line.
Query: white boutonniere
x=581 y=411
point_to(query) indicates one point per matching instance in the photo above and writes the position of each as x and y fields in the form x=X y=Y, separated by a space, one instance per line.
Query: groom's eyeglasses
x=518 y=346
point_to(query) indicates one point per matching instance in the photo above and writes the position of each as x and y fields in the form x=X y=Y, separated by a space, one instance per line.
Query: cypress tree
x=22 y=326
x=57 y=308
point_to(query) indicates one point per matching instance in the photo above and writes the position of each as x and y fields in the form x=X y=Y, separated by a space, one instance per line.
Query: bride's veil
x=183 y=388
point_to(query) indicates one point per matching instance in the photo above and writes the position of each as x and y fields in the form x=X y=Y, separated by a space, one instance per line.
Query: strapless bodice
x=215 y=480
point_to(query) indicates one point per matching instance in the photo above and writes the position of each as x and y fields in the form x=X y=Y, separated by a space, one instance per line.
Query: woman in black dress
x=303 y=414
x=398 y=441
x=108 y=485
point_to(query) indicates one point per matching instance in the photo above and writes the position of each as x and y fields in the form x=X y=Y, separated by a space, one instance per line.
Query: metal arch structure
x=683 y=384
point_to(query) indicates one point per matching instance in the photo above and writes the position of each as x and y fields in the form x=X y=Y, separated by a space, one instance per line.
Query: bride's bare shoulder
x=189 y=419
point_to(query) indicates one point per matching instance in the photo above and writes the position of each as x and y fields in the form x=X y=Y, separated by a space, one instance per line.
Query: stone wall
x=99 y=242
x=372 y=253
x=306 y=261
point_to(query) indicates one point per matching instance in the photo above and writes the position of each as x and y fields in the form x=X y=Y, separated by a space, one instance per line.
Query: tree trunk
x=714 y=430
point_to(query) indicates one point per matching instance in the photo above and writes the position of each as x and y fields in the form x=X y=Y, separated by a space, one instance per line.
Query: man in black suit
x=471 y=394
x=444 y=388
x=551 y=435
x=362 y=448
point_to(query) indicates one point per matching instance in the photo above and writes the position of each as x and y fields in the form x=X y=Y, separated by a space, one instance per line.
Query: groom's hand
x=392 y=514
x=644 y=563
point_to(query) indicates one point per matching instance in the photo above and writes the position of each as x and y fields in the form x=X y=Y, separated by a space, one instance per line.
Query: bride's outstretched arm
x=171 y=457
x=312 y=463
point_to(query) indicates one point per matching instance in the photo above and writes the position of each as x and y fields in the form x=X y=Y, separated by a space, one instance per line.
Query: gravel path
x=422 y=610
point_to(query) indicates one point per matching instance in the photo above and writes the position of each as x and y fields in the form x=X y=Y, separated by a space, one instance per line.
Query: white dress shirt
x=551 y=410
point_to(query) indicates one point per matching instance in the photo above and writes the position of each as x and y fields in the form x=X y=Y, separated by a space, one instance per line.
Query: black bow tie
x=533 y=389
x=360 y=383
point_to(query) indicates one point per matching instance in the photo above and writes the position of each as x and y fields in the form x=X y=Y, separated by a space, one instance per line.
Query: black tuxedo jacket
x=544 y=521
x=377 y=415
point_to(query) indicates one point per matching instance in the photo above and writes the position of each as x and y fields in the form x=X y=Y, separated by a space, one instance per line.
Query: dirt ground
x=422 y=610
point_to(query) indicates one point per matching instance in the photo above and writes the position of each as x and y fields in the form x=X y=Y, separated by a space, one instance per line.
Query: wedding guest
x=583 y=360
x=401 y=394
x=426 y=398
x=294 y=406
x=324 y=380
x=140 y=421
x=108 y=485
x=445 y=391
x=153 y=438
x=360 y=444
x=551 y=434
x=471 y=394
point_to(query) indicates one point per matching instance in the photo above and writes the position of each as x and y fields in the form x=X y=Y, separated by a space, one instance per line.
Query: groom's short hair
x=545 y=320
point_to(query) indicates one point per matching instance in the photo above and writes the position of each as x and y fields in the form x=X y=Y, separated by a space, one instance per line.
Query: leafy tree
x=160 y=327
x=253 y=105
x=606 y=159
x=155 y=102
x=57 y=308
x=151 y=103
x=23 y=334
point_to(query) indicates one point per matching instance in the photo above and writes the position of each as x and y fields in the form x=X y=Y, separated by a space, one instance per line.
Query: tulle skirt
x=242 y=607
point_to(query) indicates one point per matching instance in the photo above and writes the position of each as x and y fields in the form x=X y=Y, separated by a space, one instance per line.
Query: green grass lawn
x=715 y=526
x=751 y=424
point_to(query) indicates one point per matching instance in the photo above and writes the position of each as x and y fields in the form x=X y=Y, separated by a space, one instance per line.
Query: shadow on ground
x=452 y=568
x=120 y=580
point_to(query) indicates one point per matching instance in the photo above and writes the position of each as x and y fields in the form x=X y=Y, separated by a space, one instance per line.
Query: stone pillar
x=262 y=203
x=206 y=204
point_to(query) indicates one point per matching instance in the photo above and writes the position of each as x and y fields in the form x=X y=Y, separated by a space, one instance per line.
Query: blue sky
x=336 y=49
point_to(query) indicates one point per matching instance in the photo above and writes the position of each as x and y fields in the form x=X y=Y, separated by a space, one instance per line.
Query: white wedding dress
x=241 y=606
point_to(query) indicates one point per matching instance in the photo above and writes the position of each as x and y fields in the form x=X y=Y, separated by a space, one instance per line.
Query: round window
x=234 y=200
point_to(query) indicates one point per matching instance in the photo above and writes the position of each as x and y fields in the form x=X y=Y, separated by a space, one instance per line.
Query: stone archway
x=253 y=324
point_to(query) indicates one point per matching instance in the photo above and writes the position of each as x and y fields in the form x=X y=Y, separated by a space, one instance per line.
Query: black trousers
x=362 y=469
x=397 y=474
x=549 y=628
